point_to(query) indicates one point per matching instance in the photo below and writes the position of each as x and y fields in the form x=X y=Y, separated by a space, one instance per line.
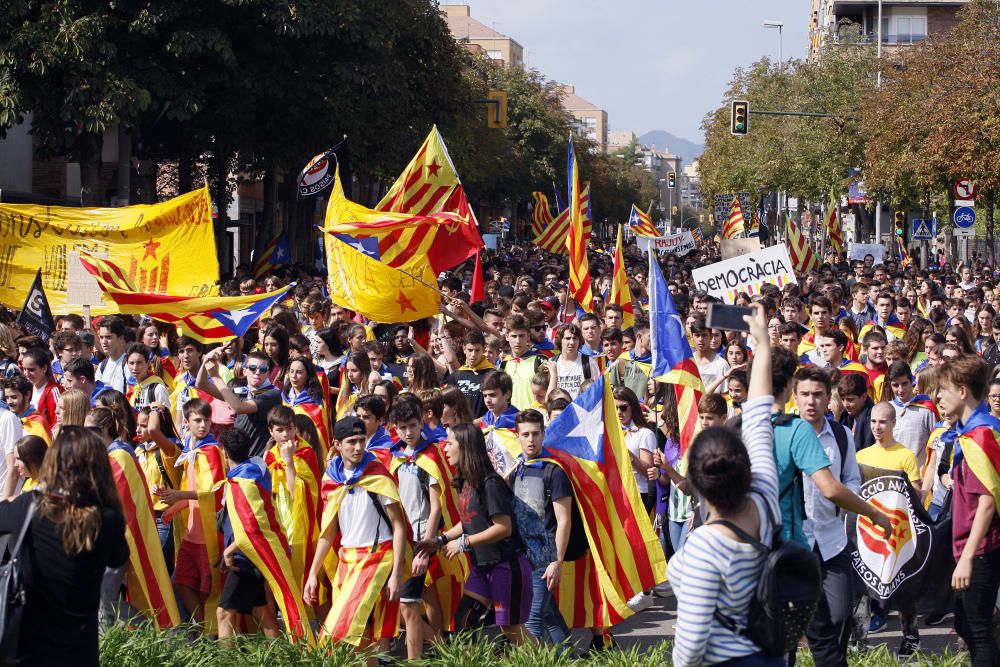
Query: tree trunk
x=220 y=167
x=990 y=231
x=185 y=173
x=90 y=169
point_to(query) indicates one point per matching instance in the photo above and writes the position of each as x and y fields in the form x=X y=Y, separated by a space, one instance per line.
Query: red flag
x=478 y=291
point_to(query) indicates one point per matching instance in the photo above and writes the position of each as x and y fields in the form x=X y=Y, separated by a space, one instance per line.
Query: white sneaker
x=640 y=602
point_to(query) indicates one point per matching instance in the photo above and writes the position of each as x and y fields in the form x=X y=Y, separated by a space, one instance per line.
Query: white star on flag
x=279 y=253
x=590 y=425
x=238 y=316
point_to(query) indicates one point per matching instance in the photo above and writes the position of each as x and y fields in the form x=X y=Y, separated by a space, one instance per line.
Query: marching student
x=157 y=449
x=853 y=392
x=543 y=501
x=915 y=413
x=497 y=390
x=371 y=410
x=17 y=395
x=501 y=573
x=975 y=524
x=362 y=512
x=144 y=387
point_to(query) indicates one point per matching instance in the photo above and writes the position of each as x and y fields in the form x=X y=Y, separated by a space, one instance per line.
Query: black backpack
x=578 y=544
x=786 y=595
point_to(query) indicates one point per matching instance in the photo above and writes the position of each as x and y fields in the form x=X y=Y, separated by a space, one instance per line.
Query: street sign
x=966 y=231
x=965 y=217
x=964 y=189
x=923 y=230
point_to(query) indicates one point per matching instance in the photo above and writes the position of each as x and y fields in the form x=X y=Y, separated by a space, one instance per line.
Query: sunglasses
x=541 y=328
x=253 y=368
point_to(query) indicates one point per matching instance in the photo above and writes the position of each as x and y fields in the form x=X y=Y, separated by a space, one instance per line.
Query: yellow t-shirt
x=893 y=457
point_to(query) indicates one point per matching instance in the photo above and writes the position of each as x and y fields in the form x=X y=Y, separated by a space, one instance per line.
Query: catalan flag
x=587 y=442
x=734 y=224
x=833 y=227
x=541 y=216
x=804 y=259
x=640 y=224
x=299 y=511
x=147 y=580
x=259 y=537
x=979 y=446
x=620 y=292
x=893 y=327
x=209 y=319
x=673 y=359
x=579 y=268
x=553 y=237
x=276 y=253
x=428 y=187
x=904 y=256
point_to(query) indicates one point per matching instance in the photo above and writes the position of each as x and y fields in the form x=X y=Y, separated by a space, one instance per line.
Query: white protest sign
x=81 y=287
x=736 y=247
x=679 y=244
x=876 y=250
x=746 y=273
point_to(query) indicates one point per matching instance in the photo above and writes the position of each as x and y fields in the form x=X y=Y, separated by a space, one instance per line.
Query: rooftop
x=463 y=26
x=573 y=102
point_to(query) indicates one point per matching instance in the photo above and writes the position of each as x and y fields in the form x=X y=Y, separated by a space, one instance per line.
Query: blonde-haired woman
x=71 y=410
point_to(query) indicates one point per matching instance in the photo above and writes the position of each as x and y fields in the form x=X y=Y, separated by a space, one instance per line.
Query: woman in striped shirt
x=715 y=570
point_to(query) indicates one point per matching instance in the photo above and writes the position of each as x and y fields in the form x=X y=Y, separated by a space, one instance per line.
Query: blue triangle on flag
x=367 y=245
x=580 y=429
x=240 y=321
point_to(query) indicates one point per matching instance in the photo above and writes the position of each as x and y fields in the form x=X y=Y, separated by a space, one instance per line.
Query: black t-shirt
x=476 y=506
x=63 y=592
x=254 y=425
x=470 y=384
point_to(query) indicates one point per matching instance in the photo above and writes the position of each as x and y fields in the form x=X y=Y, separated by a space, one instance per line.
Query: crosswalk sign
x=923 y=230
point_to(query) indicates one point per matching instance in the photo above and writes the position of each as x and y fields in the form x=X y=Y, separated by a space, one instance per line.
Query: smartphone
x=728 y=318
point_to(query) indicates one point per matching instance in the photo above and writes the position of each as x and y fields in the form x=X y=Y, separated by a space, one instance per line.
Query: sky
x=651 y=64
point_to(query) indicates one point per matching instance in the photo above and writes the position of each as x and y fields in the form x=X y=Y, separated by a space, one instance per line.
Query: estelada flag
x=209 y=319
x=315 y=408
x=277 y=252
x=446 y=575
x=36 y=317
x=587 y=442
x=147 y=581
x=205 y=459
x=553 y=237
x=378 y=291
x=621 y=294
x=892 y=325
x=259 y=537
x=430 y=185
x=640 y=223
x=358 y=575
x=301 y=510
x=576 y=242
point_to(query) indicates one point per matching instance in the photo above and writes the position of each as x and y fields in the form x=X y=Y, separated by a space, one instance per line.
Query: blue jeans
x=934 y=511
x=545 y=621
x=678 y=533
x=166 y=533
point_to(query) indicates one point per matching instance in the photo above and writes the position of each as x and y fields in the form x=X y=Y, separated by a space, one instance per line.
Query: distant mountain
x=688 y=150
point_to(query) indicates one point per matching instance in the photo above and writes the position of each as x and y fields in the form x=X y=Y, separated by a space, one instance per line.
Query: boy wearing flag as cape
x=976 y=496
x=197 y=580
x=363 y=517
x=256 y=550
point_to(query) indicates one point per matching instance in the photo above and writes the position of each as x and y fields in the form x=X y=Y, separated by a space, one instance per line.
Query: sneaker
x=877 y=623
x=936 y=619
x=909 y=647
x=640 y=602
x=663 y=590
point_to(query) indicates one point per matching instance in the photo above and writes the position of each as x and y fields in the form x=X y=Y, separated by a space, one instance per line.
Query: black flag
x=318 y=173
x=36 y=316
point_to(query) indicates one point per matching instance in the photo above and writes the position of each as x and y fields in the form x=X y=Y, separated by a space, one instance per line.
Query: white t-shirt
x=640 y=440
x=11 y=431
x=571 y=373
x=713 y=370
x=360 y=523
x=112 y=373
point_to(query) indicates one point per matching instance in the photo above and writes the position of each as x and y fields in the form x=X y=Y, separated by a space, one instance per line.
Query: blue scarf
x=644 y=359
x=254 y=393
x=302 y=398
x=336 y=472
x=253 y=469
x=506 y=420
x=190 y=444
x=522 y=463
x=980 y=417
x=380 y=440
x=399 y=451
x=120 y=445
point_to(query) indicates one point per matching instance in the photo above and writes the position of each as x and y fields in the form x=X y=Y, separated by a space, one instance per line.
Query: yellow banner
x=164 y=248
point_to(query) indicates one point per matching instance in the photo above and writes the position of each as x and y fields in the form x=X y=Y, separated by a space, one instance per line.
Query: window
x=590 y=122
x=494 y=55
x=900 y=29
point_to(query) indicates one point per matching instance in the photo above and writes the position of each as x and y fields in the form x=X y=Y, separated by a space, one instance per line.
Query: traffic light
x=671 y=179
x=701 y=217
x=740 y=113
x=496 y=109
x=899 y=223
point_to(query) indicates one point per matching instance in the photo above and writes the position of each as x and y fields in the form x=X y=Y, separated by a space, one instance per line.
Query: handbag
x=12 y=597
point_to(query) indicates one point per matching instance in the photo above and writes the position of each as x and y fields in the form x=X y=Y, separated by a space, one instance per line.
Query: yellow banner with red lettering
x=166 y=248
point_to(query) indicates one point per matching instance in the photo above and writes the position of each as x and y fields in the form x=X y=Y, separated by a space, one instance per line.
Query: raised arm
x=758 y=433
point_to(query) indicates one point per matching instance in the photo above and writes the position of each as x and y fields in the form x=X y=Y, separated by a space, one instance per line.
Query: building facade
x=591 y=120
x=903 y=23
x=467 y=30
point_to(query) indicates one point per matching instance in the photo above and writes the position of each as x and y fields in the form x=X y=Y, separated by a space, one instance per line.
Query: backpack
x=840 y=435
x=578 y=544
x=786 y=595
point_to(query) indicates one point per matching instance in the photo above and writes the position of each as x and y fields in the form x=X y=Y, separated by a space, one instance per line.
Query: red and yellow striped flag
x=430 y=185
x=541 y=215
x=301 y=508
x=804 y=258
x=576 y=242
x=147 y=581
x=641 y=224
x=554 y=237
x=734 y=225
x=620 y=292
x=259 y=537
x=688 y=389
x=833 y=228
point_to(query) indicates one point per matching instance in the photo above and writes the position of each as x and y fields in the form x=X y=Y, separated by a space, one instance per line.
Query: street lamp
x=779 y=25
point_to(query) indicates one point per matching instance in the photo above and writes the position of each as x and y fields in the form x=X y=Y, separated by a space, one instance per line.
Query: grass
x=145 y=646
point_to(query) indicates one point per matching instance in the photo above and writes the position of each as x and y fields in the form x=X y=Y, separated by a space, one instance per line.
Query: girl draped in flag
x=304 y=394
x=29 y=453
x=363 y=517
x=144 y=386
x=157 y=449
x=355 y=379
x=159 y=339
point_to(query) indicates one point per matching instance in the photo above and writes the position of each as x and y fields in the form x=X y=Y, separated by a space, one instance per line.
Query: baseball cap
x=347 y=427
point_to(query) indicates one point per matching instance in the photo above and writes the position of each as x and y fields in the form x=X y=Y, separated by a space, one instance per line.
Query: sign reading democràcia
x=858 y=251
x=746 y=273
x=678 y=244
x=166 y=248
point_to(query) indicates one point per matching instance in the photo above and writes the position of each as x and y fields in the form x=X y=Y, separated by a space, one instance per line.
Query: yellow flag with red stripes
x=621 y=294
x=576 y=243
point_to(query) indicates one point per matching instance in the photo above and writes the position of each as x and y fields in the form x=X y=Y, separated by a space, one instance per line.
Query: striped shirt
x=713 y=572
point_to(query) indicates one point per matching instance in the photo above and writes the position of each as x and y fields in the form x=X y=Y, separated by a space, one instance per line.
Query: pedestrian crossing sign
x=923 y=230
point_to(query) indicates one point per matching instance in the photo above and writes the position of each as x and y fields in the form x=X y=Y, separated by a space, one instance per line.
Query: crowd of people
x=403 y=471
